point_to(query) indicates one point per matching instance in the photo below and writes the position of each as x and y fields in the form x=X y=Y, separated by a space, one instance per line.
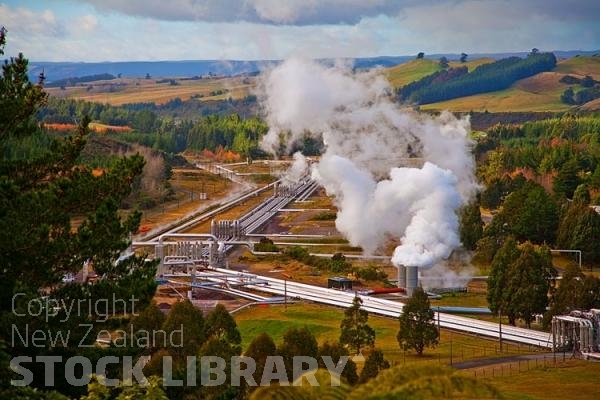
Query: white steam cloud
x=394 y=173
x=298 y=170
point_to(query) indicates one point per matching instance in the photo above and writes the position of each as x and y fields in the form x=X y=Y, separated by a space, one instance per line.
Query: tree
x=261 y=347
x=534 y=52
x=417 y=327
x=588 y=81
x=582 y=195
x=188 y=320
x=41 y=194
x=148 y=321
x=374 y=363
x=443 y=62
x=426 y=382
x=99 y=391
x=219 y=323
x=528 y=213
x=218 y=347
x=337 y=351
x=471 y=225
x=567 y=180
x=355 y=332
x=567 y=96
x=568 y=293
x=595 y=178
x=297 y=342
x=529 y=279
x=579 y=229
x=497 y=294
x=519 y=281
x=463 y=57
x=420 y=56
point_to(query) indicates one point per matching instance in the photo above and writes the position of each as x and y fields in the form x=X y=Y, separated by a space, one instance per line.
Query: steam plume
x=369 y=162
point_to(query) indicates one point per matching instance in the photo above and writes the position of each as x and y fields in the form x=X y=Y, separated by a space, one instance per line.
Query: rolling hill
x=540 y=92
x=136 y=90
x=413 y=70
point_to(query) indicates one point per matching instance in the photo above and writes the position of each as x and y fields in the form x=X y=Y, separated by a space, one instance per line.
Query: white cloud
x=88 y=23
x=23 y=21
x=293 y=12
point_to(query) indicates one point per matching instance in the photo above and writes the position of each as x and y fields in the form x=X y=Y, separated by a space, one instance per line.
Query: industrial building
x=577 y=332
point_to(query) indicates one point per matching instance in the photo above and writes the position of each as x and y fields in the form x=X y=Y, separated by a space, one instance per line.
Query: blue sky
x=121 y=30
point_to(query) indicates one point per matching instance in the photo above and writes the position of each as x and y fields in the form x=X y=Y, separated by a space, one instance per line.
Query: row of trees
x=485 y=78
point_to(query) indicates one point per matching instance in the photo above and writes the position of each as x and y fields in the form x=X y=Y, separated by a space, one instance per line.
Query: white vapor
x=368 y=164
x=296 y=171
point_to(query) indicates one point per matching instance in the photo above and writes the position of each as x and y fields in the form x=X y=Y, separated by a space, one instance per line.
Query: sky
x=138 y=30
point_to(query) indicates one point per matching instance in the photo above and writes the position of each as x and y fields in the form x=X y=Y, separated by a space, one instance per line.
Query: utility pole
x=500 y=328
x=285 y=294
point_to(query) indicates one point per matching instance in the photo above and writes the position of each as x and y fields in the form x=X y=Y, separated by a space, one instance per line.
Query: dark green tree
x=528 y=213
x=579 y=229
x=218 y=347
x=582 y=195
x=148 y=321
x=567 y=96
x=188 y=320
x=498 y=296
x=463 y=57
x=41 y=195
x=471 y=225
x=261 y=347
x=588 y=81
x=529 y=279
x=336 y=351
x=355 y=332
x=567 y=179
x=374 y=363
x=595 y=178
x=219 y=323
x=297 y=342
x=568 y=293
x=417 y=327
x=443 y=62
x=420 y=56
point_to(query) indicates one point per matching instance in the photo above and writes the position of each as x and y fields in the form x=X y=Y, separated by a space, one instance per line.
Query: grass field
x=135 y=90
x=580 y=66
x=512 y=99
x=324 y=323
x=533 y=380
x=403 y=74
x=574 y=379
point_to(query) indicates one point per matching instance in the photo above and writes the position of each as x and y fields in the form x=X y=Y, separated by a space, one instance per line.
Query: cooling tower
x=401 y=276
x=412 y=279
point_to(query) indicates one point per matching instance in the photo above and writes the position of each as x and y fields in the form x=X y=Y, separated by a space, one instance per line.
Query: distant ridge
x=131 y=69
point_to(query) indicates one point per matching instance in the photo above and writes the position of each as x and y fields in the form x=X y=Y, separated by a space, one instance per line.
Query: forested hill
x=527 y=84
x=451 y=83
